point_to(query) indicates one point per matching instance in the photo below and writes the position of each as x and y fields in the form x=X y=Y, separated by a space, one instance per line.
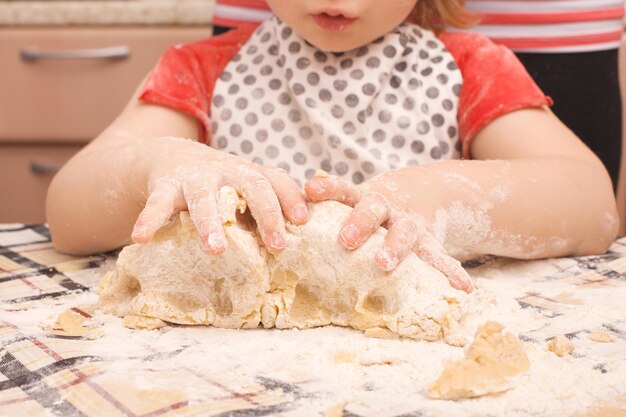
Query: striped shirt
x=522 y=25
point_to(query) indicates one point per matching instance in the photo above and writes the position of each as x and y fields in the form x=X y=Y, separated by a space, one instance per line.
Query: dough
x=561 y=346
x=314 y=281
x=601 y=337
x=489 y=363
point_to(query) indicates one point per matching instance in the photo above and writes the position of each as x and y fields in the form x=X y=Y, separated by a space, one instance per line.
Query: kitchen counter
x=60 y=356
x=106 y=13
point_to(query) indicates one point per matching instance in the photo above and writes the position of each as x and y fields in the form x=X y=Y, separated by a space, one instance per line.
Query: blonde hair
x=435 y=15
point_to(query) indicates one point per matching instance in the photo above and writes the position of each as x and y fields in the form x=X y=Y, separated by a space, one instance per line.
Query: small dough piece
x=143 y=323
x=561 y=345
x=490 y=361
x=601 y=337
x=313 y=282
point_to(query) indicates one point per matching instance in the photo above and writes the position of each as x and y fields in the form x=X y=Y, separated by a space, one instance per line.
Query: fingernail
x=300 y=213
x=216 y=243
x=387 y=260
x=350 y=235
x=277 y=240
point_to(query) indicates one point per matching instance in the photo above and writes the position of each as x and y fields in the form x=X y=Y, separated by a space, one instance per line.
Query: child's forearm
x=523 y=208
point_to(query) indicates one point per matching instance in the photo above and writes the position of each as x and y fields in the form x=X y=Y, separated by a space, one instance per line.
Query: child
x=387 y=107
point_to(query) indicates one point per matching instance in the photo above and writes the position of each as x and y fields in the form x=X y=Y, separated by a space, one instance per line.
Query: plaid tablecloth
x=60 y=357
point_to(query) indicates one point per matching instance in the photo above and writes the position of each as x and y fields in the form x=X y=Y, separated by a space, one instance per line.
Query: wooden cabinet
x=59 y=87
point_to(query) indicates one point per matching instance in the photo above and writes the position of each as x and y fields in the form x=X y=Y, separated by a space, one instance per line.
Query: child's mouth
x=332 y=21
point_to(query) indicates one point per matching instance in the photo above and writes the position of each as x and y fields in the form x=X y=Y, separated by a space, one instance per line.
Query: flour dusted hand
x=406 y=232
x=188 y=176
x=313 y=281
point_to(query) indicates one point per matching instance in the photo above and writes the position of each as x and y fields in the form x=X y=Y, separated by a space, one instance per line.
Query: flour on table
x=313 y=282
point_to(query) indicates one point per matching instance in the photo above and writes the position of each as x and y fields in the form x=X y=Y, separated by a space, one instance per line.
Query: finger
x=399 y=241
x=257 y=190
x=160 y=206
x=289 y=196
x=431 y=252
x=201 y=197
x=368 y=214
x=321 y=188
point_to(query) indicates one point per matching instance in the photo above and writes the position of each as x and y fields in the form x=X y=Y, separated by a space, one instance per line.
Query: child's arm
x=95 y=200
x=533 y=190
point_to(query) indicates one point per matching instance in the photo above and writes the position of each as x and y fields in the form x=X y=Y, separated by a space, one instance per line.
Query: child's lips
x=332 y=21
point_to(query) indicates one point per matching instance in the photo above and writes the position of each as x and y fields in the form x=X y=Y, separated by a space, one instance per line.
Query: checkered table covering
x=47 y=371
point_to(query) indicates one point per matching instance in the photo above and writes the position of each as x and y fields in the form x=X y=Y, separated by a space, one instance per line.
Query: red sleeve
x=494 y=83
x=184 y=77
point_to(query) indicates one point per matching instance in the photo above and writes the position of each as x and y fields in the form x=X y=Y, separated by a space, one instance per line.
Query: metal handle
x=114 y=52
x=40 y=168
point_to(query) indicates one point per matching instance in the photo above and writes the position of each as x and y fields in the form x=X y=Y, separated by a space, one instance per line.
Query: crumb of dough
x=344 y=356
x=320 y=173
x=380 y=333
x=560 y=345
x=336 y=410
x=601 y=337
x=142 y=323
x=489 y=363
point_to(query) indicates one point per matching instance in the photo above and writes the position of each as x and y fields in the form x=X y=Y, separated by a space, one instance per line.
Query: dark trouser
x=586 y=94
x=218 y=30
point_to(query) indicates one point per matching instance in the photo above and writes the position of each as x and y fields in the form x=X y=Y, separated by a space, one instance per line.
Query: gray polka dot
x=330 y=70
x=361 y=142
x=352 y=100
x=395 y=81
x=294 y=47
x=252 y=49
x=393 y=161
x=426 y=71
x=316 y=149
x=384 y=116
x=398 y=141
x=373 y=62
x=249 y=80
x=436 y=60
x=340 y=85
x=298 y=89
x=437 y=120
x=258 y=93
x=233 y=89
x=257 y=160
x=424 y=108
x=349 y=128
x=403 y=122
x=257 y=60
x=341 y=168
x=226 y=114
x=435 y=153
x=391 y=98
x=432 y=92
x=351 y=153
x=261 y=135
x=266 y=70
x=423 y=128
x=303 y=63
x=288 y=74
x=275 y=84
x=235 y=130
x=213 y=127
x=389 y=51
x=337 y=112
x=313 y=78
x=218 y=100
x=409 y=103
x=286 y=32
x=375 y=153
x=284 y=99
x=423 y=54
x=358 y=177
x=305 y=132
x=320 y=56
x=325 y=95
x=226 y=76
x=361 y=116
x=447 y=104
x=241 y=103
x=222 y=142
x=368 y=167
x=417 y=146
x=452 y=132
x=285 y=166
x=246 y=146
x=309 y=173
x=346 y=63
x=369 y=89
x=334 y=141
x=295 y=115
x=362 y=51
x=271 y=151
x=452 y=66
x=442 y=78
x=278 y=125
x=414 y=83
x=357 y=74
x=273 y=50
x=266 y=37
x=401 y=66
x=251 y=119
x=379 y=135
x=289 y=141
x=310 y=103
x=299 y=158
x=456 y=89
x=444 y=147
x=326 y=165
x=241 y=68
x=267 y=109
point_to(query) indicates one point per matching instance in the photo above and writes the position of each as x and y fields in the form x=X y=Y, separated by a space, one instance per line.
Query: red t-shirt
x=494 y=81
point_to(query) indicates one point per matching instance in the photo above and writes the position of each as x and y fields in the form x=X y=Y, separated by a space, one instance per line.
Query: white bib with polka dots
x=390 y=104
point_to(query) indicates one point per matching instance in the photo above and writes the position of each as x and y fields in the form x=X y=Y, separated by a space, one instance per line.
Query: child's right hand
x=186 y=175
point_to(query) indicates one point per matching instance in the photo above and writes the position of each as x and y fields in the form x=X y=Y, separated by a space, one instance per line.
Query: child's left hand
x=406 y=231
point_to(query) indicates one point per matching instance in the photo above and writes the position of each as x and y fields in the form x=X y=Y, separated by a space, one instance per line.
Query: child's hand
x=406 y=232
x=186 y=175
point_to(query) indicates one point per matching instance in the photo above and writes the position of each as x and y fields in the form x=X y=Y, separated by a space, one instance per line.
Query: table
x=61 y=357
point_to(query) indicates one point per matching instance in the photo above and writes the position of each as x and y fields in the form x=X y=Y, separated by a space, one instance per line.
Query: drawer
x=73 y=97
x=25 y=174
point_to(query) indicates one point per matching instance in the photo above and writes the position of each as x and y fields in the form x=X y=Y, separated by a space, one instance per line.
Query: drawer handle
x=114 y=52
x=40 y=168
